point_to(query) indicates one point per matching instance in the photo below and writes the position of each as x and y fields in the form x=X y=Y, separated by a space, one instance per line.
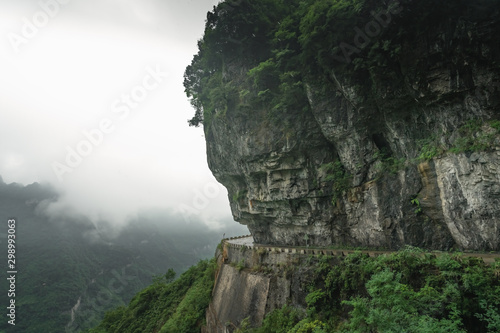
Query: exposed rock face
x=277 y=185
x=247 y=294
x=251 y=282
x=248 y=291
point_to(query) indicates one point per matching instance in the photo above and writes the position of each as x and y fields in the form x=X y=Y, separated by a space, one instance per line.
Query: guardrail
x=236 y=237
x=487 y=258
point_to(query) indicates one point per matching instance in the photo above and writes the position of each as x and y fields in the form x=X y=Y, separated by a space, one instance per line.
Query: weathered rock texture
x=238 y=295
x=253 y=281
x=278 y=188
x=245 y=292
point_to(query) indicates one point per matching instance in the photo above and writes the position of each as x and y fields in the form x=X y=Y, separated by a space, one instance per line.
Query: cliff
x=262 y=289
x=337 y=123
x=373 y=124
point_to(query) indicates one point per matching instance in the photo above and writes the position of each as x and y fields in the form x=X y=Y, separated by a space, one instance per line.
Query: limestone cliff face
x=377 y=130
x=247 y=292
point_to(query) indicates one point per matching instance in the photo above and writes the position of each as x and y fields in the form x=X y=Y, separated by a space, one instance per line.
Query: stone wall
x=253 y=281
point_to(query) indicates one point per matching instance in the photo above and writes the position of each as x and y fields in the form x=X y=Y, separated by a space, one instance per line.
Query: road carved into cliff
x=247 y=241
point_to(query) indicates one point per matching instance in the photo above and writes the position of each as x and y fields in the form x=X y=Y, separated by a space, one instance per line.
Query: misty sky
x=103 y=79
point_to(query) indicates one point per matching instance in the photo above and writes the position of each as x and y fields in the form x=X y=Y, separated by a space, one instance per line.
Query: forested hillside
x=166 y=306
x=410 y=290
x=70 y=271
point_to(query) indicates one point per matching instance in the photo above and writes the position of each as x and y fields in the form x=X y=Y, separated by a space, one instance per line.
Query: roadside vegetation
x=407 y=291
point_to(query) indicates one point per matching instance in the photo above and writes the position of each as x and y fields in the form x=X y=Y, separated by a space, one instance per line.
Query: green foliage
x=284 y=320
x=235 y=31
x=388 y=163
x=280 y=321
x=475 y=136
x=164 y=279
x=313 y=300
x=264 y=77
x=396 y=307
x=66 y=259
x=336 y=173
x=244 y=326
x=177 y=306
x=414 y=201
x=267 y=49
x=407 y=291
x=495 y=124
x=490 y=313
x=240 y=265
x=430 y=148
x=307 y=326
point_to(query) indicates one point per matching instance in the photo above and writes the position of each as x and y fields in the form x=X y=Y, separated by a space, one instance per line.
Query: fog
x=92 y=103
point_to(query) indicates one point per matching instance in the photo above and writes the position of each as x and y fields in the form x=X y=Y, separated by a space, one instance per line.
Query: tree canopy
x=258 y=53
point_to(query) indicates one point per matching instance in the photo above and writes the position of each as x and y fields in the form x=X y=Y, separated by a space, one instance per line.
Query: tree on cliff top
x=278 y=43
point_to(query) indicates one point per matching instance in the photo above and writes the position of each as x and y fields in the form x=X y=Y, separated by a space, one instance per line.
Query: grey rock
x=278 y=188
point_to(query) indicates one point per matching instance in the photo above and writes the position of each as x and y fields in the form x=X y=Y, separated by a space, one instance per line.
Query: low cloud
x=66 y=80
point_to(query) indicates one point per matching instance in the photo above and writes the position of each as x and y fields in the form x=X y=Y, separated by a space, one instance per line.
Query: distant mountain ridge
x=70 y=272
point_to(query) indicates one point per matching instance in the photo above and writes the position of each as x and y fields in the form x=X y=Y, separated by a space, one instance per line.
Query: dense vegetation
x=408 y=291
x=65 y=259
x=257 y=54
x=166 y=306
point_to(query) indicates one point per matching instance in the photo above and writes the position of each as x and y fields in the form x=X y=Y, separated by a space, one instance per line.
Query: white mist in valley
x=94 y=105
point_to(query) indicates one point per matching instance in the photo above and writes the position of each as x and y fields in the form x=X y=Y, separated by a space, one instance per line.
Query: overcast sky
x=92 y=101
